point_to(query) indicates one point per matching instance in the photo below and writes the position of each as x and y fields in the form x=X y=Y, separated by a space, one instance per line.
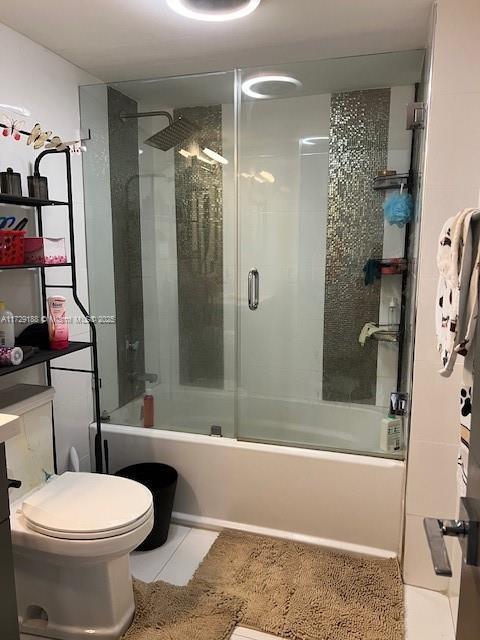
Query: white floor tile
x=241 y=633
x=428 y=615
x=146 y=565
x=186 y=559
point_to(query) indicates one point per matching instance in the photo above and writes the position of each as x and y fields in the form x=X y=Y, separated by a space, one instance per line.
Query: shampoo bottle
x=7 y=327
x=393 y=318
x=391 y=434
x=57 y=323
x=148 y=409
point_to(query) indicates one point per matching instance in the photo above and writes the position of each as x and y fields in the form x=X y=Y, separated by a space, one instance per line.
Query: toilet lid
x=87 y=506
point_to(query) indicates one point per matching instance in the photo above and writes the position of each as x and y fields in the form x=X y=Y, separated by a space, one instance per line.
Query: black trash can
x=162 y=482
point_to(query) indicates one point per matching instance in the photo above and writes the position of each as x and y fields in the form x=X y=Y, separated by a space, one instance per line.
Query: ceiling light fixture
x=313 y=139
x=215 y=156
x=213 y=10
x=185 y=153
x=247 y=86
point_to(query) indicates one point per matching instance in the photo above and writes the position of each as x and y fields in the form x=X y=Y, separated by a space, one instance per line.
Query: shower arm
x=145 y=114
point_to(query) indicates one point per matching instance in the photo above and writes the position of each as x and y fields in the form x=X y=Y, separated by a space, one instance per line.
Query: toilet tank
x=30 y=455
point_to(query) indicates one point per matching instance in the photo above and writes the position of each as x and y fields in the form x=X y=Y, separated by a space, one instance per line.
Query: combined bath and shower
x=177 y=131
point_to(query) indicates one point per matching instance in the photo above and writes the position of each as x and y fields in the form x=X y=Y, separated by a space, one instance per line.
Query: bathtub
x=338 y=500
x=324 y=425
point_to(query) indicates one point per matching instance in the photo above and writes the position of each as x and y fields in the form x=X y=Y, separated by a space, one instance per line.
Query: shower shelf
x=382 y=183
x=386 y=336
x=34 y=266
x=45 y=355
x=399 y=266
x=25 y=201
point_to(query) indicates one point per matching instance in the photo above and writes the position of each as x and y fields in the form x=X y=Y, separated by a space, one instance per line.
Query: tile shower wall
x=159 y=262
x=199 y=217
x=127 y=250
x=181 y=405
x=358 y=148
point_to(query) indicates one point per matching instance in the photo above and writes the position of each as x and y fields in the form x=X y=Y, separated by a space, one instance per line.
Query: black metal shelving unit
x=46 y=356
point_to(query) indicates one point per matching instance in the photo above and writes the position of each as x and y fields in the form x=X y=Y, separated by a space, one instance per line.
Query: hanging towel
x=367 y=332
x=371 y=271
x=465 y=425
x=458 y=261
x=457 y=303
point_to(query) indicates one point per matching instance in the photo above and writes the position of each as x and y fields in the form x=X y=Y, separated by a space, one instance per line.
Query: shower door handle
x=253 y=289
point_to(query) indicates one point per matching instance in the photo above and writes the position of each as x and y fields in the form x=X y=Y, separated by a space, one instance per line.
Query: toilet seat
x=87 y=506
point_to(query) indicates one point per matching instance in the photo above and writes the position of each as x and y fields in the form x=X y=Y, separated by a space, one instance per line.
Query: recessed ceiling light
x=185 y=153
x=215 y=156
x=313 y=139
x=247 y=86
x=214 y=10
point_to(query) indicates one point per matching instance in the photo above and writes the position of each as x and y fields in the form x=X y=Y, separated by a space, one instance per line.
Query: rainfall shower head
x=175 y=133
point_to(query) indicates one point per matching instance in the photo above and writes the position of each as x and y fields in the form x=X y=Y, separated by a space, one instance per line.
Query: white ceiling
x=125 y=39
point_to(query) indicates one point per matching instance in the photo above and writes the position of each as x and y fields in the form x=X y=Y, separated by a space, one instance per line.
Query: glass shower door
x=160 y=208
x=283 y=182
x=312 y=137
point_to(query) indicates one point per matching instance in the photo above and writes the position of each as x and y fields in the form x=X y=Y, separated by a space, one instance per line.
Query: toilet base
x=73 y=601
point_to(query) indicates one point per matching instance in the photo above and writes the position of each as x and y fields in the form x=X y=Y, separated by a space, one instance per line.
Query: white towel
x=457 y=304
x=458 y=261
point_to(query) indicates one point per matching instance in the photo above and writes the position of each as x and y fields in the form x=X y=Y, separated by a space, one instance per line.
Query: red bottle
x=148 y=409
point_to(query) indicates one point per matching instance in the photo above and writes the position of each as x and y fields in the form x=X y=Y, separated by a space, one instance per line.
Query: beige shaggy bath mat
x=290 y=590
x=302 y=592
x=166 y=612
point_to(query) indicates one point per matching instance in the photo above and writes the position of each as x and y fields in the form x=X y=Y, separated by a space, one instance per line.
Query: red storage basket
x=12 y=247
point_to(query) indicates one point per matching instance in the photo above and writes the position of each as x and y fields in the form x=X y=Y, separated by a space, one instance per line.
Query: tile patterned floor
x=428 y=613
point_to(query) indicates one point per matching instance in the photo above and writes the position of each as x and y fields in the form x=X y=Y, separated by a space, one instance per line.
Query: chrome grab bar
x=253 y=289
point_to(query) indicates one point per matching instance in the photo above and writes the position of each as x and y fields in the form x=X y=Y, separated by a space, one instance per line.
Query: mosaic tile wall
x=199 y=221
x=127 y=248
x=359 y=124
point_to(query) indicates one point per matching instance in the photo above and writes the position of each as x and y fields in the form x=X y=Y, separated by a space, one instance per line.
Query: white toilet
x=71 y=542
